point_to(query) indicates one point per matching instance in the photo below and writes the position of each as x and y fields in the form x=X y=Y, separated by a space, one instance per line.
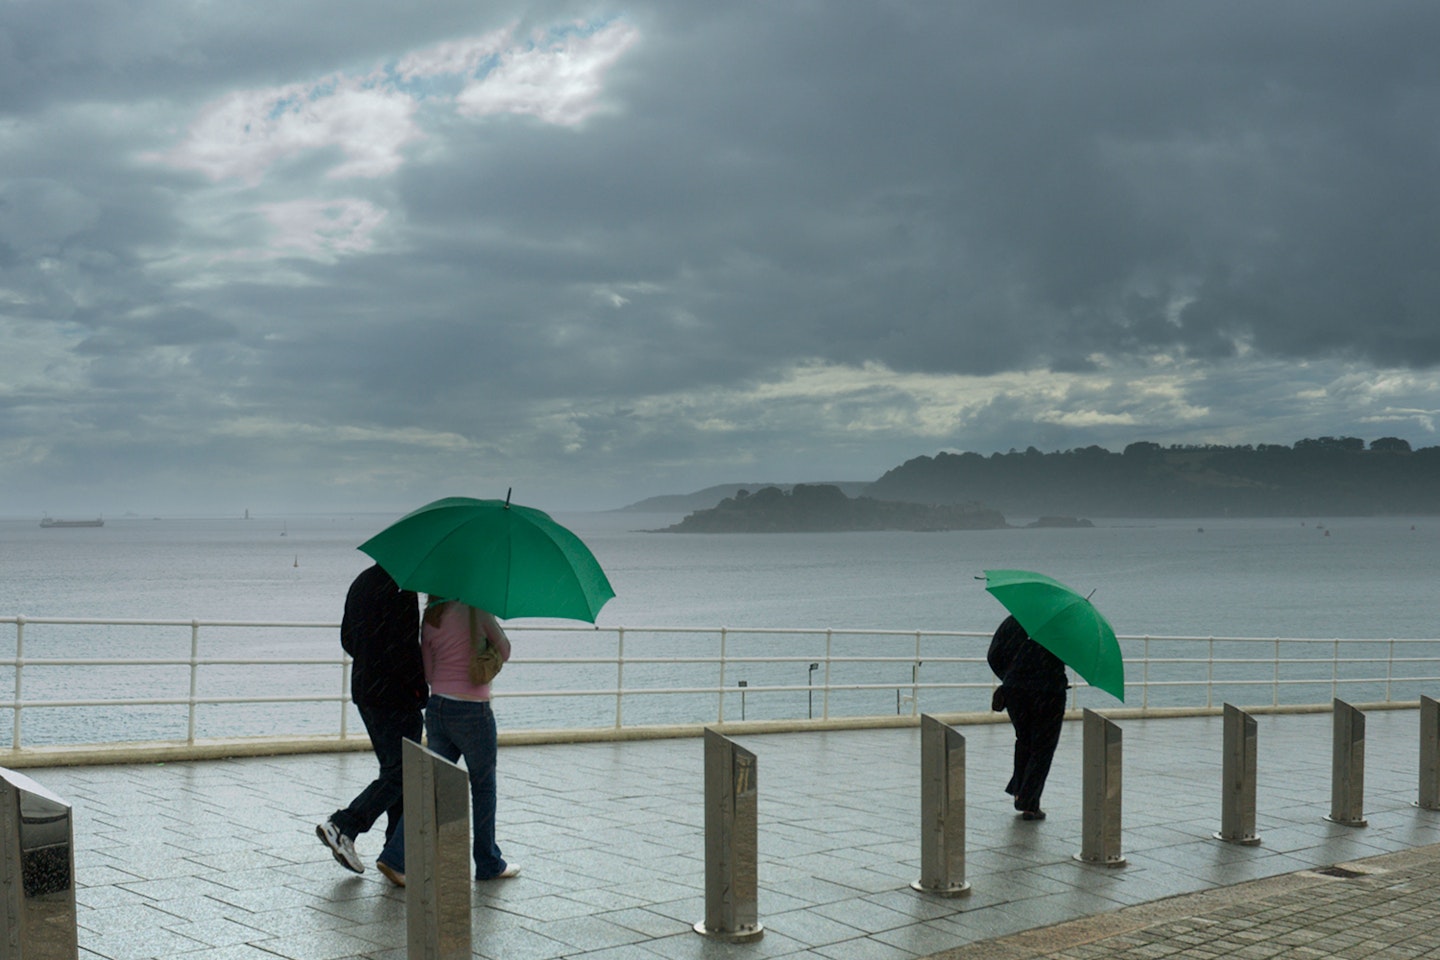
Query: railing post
x=1347 y=787
x=1275 y=686
x=437 y=856
x=619 y=678
x=194 y=680
x=1210 y=676
x=825 y=694
x=344 y=686
x=915 y=679
x=1100 y=793
x=720 y=717
x=1238 y=774
x=942 y=810
x=731 y=843
x=1429 y=754
x=19 y=666
x=37 y=872
x=1389 y=669
x=1335 y=669
x=1145 y=678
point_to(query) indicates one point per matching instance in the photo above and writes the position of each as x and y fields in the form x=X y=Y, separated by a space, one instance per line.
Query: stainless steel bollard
x=731 y=843
x=1100 y=793
x=437 y=856
x=37 y=872
x=1429 y=754
x=942 y=810
x=1347 y=784
x=1238 y=770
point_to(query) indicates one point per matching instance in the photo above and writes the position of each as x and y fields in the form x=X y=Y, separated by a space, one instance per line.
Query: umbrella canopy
x=1063 y=622
x=511 y=560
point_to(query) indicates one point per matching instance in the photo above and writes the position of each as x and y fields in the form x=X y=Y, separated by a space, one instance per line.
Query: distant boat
x=48 y=522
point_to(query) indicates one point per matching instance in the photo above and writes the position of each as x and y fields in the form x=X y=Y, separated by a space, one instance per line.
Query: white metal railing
x=858 y=670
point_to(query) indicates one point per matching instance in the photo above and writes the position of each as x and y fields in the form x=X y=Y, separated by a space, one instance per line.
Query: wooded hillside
x=1328 y=476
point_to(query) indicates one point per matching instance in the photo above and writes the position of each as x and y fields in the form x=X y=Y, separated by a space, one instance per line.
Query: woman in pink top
x=459 y=722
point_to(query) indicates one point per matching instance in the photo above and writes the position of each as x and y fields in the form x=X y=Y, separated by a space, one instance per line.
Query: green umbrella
x=511 y=560
x=1063 y=622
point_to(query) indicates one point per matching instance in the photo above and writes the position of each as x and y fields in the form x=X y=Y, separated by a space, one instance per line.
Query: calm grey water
x=1346 y=578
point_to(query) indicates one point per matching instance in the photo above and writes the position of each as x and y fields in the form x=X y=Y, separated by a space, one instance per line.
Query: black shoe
x=1032 y=815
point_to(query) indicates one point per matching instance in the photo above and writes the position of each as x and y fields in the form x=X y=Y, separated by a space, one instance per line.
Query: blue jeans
x=388 y=728
x=465 y=728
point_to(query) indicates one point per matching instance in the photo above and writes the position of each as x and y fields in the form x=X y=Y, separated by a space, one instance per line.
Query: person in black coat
x=381 y=633
x=1032 y=687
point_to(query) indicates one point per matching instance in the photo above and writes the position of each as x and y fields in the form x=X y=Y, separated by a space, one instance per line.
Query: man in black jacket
x=1033 y=684
x=381 y=632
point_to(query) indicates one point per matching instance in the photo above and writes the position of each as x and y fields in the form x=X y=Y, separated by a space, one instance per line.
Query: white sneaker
x=340 y=845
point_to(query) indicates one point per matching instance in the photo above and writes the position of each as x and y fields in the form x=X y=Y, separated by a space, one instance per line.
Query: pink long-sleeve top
x=445 y=649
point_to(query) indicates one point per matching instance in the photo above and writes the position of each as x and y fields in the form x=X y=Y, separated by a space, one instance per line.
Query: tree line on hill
x=1328 y=476
x=824 y=508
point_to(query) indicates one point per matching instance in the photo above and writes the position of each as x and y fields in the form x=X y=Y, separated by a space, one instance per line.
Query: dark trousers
x=1036 y=716
x=388 y=728
x=464 y=728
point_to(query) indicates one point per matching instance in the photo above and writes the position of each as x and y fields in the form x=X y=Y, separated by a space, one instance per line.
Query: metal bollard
x=437 y=856
x=942 y=810
x=1100 y=793
x=731 y=843
x=1429 y=754
x=1237 y=789
x=37 y=872
x=1347 y=785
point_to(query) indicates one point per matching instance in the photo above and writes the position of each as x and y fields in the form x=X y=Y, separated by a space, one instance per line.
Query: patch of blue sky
x=421 y=88
x=448 y=85
x=432 y=86
x=564 y=31
x=282 y=106
x=325 y=88
x=290 y=104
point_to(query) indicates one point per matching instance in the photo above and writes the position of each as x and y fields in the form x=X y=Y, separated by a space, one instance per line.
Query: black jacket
x=381 y=632
x=1022 y=663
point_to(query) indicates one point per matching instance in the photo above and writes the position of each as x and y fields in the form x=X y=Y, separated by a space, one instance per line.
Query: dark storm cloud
x=984 y=186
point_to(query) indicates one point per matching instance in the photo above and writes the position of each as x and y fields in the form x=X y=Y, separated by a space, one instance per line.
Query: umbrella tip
x=508 y=491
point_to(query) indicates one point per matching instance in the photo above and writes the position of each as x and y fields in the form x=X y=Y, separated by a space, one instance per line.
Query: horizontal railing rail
x=92 y=680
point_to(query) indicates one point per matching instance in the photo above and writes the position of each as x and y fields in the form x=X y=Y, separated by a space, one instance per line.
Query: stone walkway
x=218 y=860
x=1382 y=908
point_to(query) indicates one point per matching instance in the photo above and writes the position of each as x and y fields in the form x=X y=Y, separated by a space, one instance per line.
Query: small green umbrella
x=511 y=560
x=1063 y=622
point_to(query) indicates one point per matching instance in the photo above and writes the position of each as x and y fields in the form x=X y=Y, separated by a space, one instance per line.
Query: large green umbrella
x=1063 y=622
x=511 y=560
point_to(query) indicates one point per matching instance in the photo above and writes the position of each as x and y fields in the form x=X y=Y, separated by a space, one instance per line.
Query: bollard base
x=954 y=890
x=1118 y=861
x=746 y=934
x=1424 y=806
x=1251 y=841
x=1362 y=822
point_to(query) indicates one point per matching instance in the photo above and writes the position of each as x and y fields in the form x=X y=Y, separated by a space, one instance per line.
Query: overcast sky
x=318 y=255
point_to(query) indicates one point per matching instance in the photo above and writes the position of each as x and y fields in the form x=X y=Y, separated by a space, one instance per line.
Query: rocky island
x=824 y=508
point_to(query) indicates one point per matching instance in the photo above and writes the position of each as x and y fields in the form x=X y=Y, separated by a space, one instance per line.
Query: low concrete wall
x=176 y=751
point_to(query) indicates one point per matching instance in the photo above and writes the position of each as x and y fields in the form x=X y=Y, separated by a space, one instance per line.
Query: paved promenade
x=218 y=860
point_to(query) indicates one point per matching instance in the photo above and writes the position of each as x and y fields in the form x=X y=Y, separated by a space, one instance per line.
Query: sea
x=1344 y=579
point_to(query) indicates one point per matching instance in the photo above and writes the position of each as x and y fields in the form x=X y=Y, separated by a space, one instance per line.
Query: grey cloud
x=179 y=326
x=948 y=188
